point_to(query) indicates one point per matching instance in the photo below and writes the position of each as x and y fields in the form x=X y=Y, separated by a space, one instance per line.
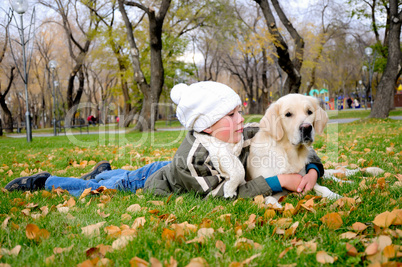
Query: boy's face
x=228 y=129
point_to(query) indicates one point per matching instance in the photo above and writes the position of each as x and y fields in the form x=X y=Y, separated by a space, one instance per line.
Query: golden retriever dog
x=283 y=143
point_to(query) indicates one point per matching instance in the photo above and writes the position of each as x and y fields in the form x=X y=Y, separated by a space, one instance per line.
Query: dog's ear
x=321 y=119
x=271 y=123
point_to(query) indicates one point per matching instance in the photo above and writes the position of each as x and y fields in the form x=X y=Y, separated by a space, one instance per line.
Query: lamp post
x=52 y=67
x=21 y=6
x=371 y=61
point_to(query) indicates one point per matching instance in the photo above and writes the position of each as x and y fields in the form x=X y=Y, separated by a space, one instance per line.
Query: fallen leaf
x=372 y=249
x=348 y=235
x=389 y=251
x=31 y=231
x=5 y=222
x=221 y=246
x=61 y=250
x=122 y=242
x=198 y=262
x=134 y=208
x=398 y=215
x=358 y=226
x=85 y=193
x=323 y=257
x=138 y=222
x=283 y=253
x=351 y=250
x=102 y=214
x=384 y=219
x=112 y=231
x=332 y=220
x=92 y=229
x=206 y=232
x=157 y=203
x=137 y=262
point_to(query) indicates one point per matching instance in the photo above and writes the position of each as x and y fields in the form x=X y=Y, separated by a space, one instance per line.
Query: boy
x=206 y=109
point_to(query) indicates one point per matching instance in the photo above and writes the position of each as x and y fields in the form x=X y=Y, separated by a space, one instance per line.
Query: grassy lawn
x=52 y=228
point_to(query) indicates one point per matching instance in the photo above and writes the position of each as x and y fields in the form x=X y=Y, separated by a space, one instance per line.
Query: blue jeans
x=114 y=179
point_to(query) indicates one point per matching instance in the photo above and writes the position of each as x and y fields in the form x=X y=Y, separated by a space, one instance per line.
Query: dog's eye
x=309 y=112
x=288 y=114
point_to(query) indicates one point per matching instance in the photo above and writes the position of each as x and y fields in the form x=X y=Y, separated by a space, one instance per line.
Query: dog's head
x=294 y=117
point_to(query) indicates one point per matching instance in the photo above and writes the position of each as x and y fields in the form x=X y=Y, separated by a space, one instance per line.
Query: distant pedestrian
x=350 y=102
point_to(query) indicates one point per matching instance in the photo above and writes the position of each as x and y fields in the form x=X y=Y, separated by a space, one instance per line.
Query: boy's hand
x=290 y=181
x=308 y=181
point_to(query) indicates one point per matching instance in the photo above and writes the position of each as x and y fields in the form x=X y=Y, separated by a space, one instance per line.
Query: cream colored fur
x=279 y=147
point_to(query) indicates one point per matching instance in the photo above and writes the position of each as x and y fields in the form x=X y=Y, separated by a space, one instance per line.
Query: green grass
x=365 y=143
x=357 y=113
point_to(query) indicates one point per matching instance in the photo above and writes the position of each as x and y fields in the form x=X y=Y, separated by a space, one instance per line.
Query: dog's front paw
x=325 y=192
x=229 y=191
x=273 y=201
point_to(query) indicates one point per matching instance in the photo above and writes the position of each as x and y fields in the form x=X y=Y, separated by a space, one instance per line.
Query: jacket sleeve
x=314 y=159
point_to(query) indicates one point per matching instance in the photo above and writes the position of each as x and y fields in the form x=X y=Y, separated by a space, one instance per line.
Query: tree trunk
x=386 y=87
x=291 y=67
x=7 y=116
x=153 y=90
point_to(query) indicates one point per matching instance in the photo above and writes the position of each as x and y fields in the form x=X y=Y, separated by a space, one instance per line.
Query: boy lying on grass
x=210 y=160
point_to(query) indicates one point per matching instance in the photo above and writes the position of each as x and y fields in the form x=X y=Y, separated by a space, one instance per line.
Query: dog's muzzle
x=306 y=130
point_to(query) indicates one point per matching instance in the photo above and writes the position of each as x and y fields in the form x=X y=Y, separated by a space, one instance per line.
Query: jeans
x=114 y=179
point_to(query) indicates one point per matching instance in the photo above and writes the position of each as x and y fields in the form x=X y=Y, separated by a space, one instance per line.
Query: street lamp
x=371 y=61
x=21 y=6
x=52 y=67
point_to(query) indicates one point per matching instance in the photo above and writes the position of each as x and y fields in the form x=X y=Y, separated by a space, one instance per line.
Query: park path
x=331 y=121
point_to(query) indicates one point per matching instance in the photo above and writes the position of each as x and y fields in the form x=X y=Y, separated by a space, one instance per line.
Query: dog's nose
x=305 y=130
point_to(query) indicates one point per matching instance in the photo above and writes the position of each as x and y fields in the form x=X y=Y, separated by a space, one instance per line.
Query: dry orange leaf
x=283 y=253
x=332 y=220
x=157 y=203
x=134 y=208
x=137 y=262
x=206 y=232
x=269 y=213
x=348 y=235
x=198 y=262
x=92 y=229
x=372 y=249
x=384 y=219
x=122 y=242
x=221 y=246
x=398 y=215
x=5 y=222
x=358 y=226
x=323 y=257
x=351 y=250
x=155 y=262
x=31 y=231
x=112 y=231
x=168 y=234
x=389 y=251
x=138 y=222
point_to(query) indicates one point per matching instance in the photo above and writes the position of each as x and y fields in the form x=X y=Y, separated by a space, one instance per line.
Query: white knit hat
x=202 y=104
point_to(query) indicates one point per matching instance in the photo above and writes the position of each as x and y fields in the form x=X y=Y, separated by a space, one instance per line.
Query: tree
x=79 y=31
x=291 y=67
x=115 y=40
x=7 y=116
x=386 y=87
x=152 y=90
